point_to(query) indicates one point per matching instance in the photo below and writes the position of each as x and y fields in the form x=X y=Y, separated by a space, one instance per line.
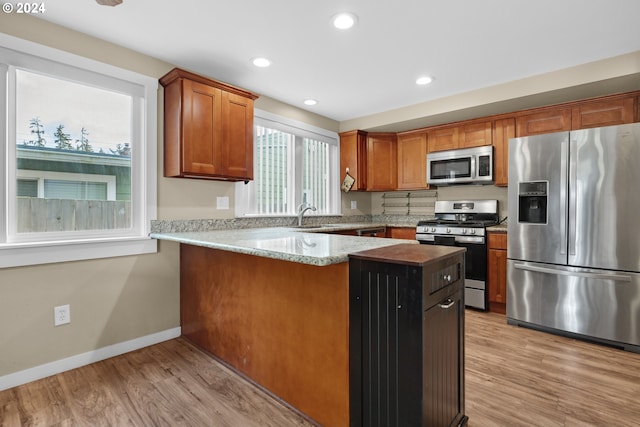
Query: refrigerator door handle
x=563 y=196
x=600 y=276
x=573 y=209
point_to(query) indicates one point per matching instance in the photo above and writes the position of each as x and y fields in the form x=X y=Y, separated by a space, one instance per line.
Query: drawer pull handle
x=447 y=304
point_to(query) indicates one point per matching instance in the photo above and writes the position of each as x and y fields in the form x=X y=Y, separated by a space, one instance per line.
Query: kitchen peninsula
x=273 y=303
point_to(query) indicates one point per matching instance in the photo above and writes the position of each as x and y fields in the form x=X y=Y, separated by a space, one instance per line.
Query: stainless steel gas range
x=463 y=223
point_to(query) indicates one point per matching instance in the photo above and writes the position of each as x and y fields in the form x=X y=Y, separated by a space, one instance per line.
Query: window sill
x=24 y=254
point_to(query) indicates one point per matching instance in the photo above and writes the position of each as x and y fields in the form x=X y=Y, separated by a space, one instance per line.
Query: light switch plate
x=354 y=204
x=222 y=202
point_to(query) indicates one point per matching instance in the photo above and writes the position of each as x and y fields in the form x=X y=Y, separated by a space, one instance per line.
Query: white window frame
x=245 y=198
x=42 y=248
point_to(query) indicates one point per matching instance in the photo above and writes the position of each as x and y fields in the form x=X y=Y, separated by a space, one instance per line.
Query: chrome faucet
x=302 y=208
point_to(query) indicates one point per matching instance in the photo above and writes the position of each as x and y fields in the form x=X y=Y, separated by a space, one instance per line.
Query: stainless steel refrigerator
x=574 y=234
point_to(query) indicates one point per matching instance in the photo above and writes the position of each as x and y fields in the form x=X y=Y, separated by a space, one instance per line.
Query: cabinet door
x=202 y=135
x=443 y=139
x=607 y=112
x=548 y=121
x=401 y=233
x=497 y=271
x=412 y=161
x=382 y=162
x=503 y=130
x=443 y=362
x=474 y=135
x=237 y=136
x=353 y=156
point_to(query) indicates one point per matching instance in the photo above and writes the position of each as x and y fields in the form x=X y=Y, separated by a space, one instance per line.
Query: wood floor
x=521 y=377
x=514 y=377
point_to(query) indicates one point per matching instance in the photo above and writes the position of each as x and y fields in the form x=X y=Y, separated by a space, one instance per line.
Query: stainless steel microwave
x=464 y=166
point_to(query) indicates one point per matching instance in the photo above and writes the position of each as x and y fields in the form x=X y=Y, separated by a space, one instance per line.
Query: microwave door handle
x=473 y=167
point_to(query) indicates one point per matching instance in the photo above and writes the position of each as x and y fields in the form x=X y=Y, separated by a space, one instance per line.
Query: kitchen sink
x=332 y=225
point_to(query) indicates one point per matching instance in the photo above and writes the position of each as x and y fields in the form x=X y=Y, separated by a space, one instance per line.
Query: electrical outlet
x=222 y=203
x=354 y=204
x=61 y=315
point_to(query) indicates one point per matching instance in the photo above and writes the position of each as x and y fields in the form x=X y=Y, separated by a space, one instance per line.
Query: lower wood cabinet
x=408 y=233
x=497 y=271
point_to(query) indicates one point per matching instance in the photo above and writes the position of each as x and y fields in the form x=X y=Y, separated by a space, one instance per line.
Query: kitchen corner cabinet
x=497 y=271
x=412 y=160
x=208 y=128
x=382 y=162
x=503 y=130
x=353 y=157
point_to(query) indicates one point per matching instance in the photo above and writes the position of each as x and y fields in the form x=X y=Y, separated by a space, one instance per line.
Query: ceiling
x=463 y=44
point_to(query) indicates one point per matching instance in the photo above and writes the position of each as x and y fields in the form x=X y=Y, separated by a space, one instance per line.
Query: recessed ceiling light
x=310 y=102
x=261 y=62
x=343 y=21
x=424 y=80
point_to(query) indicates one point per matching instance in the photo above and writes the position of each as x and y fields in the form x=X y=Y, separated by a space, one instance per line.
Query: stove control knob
x=448 y=230
x=464 y=231
x=473 y=231
x=433 y=229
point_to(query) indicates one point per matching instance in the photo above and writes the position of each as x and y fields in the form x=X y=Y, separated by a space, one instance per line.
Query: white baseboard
x=62 y=365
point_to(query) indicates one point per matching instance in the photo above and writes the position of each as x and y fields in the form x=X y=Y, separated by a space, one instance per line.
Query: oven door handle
x=585 y=274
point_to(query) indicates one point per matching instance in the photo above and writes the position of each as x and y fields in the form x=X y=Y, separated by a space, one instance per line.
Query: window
x=78 y=165
x=294 y=163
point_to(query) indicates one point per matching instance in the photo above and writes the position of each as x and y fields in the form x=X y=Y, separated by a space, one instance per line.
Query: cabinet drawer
x=497 y=240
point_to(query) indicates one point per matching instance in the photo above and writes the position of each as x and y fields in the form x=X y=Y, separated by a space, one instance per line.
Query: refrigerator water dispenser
x=532 y=202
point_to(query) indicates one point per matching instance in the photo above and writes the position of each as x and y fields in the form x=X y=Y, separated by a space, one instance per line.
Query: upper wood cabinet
x=441 y=139
x=208 y=128
x=382 y=162
x=353 y=157
x=547 y=121
x=412 y=160
x=472 y=134
x=604 y=112
x=503 y=130
x=475 y=134
x=492 y=130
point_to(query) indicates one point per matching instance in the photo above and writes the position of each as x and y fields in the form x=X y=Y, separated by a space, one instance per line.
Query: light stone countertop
x=306 y=246
x=500 y=228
